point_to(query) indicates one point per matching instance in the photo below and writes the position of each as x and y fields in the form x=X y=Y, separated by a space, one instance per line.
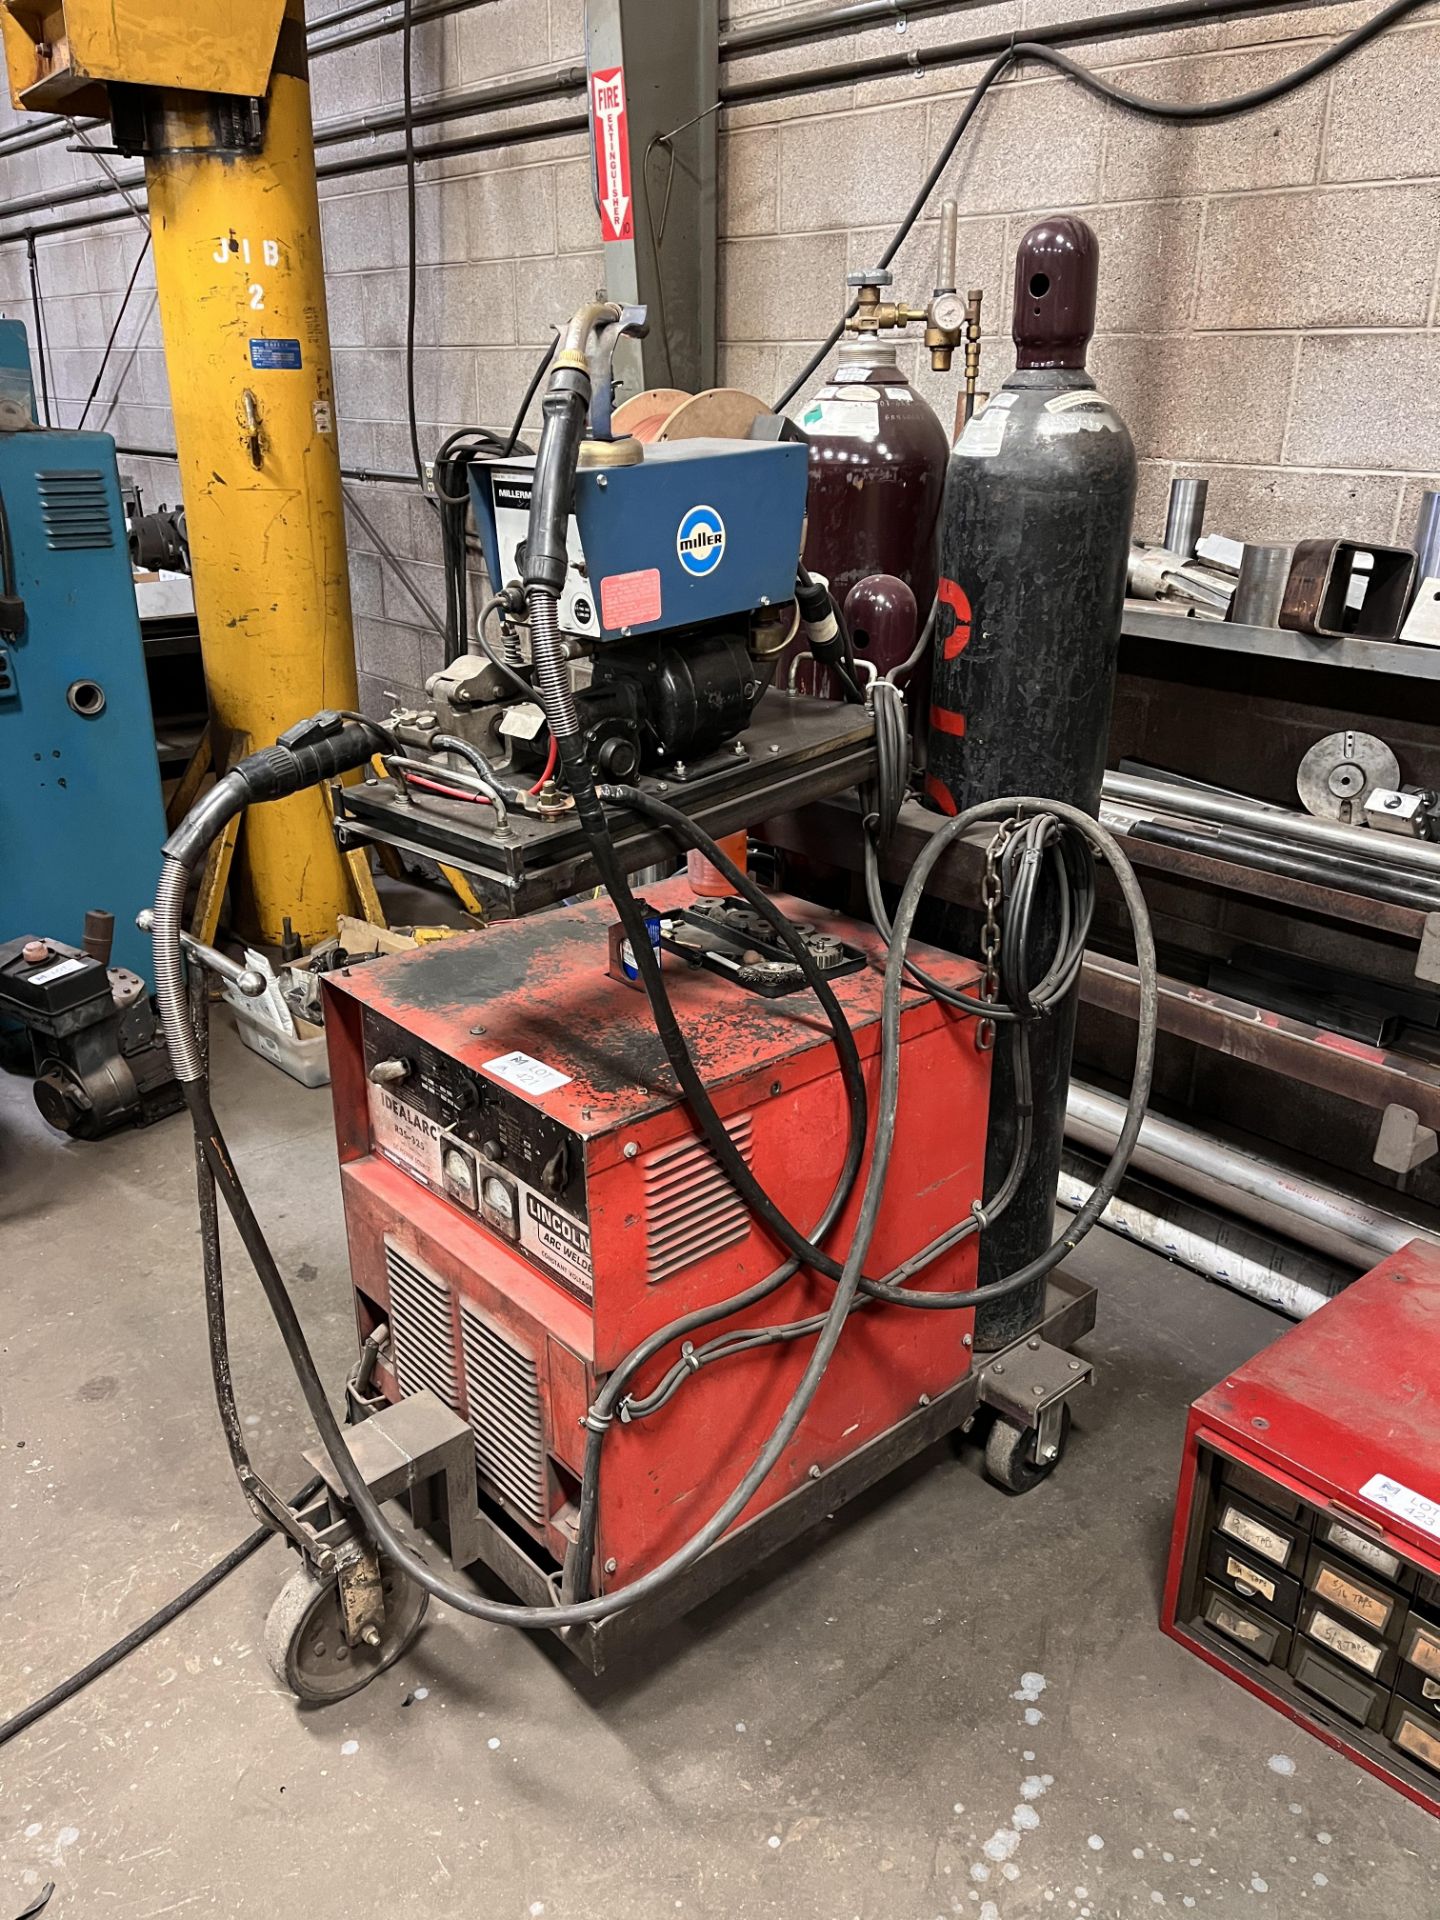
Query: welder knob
x=34 y=953
x=389 y=1073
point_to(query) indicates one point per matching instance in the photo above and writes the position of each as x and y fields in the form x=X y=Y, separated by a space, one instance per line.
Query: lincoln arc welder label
x=555 y=1240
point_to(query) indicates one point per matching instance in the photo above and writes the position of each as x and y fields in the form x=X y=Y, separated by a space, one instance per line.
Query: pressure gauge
x=947 y=311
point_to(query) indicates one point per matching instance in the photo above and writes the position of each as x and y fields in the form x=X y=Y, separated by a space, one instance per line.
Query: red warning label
x=630 y=599
x=612 y=153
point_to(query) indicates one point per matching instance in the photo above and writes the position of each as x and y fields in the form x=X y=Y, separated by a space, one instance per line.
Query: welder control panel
x=487 y=1151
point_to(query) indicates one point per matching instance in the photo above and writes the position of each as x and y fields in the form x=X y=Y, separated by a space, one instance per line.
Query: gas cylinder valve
x=948 y=319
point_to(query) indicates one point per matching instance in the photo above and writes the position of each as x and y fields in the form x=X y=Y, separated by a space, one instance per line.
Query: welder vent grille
x=76 y=510
x=691 y=1209
x=502 y=1383
x=421 y=1331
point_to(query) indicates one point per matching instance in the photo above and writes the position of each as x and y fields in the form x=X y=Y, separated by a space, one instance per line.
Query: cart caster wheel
x=1010 y=1455
x=306 y=1646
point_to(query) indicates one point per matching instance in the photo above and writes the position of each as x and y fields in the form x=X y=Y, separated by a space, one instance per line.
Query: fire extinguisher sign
x=612 y=154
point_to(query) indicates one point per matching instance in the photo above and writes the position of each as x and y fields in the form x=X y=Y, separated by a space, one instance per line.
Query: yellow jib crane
x=217 y=100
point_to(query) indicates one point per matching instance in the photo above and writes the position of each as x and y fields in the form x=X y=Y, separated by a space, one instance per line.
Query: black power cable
x=412 y=264
x=37 y=301
x=114 y=332
x=1202 y=110
x=147 y=1629
x=452 y=498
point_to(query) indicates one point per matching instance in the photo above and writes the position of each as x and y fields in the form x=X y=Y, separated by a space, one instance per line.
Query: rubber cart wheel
x=305 y=1642
x=1010 y=1454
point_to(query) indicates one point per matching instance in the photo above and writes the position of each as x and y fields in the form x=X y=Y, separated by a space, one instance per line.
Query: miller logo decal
x=700 y=541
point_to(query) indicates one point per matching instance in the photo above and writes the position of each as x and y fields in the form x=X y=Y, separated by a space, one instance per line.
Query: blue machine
x=81 y=816
x=696 y=531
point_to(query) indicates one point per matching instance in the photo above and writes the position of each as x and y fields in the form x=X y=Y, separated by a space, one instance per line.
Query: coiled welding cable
x=583 y=1613
x=1047 y=992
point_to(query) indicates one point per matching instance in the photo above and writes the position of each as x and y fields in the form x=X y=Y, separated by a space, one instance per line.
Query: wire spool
x=1339 y=772
x=720 y=413
x=644 y=414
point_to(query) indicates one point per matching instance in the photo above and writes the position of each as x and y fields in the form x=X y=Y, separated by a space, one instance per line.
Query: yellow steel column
x=247 y=348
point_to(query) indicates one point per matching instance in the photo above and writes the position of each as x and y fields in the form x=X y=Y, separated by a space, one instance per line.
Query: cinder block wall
x=1269 y=286
x=1268 y=299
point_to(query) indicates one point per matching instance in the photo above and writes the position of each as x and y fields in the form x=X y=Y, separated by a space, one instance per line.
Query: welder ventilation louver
x=502 y=1385
x=691 y=1209
x=420 y=1329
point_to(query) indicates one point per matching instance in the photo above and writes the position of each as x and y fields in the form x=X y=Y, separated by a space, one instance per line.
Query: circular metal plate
x=306 y=1646
x=1340 y=770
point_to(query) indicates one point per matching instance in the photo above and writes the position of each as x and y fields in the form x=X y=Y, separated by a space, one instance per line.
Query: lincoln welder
x=663 y=1212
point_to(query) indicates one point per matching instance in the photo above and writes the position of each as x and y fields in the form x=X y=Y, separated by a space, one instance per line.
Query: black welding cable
x=1176 y=111
x=371 y=1516
x=168 y=900
x=452 y=499
x=475 y=759
x=697 y=1095
x=114 y=334
x=1043 y=996
x=212 y=1264
x=412 y=262
x=744 y=1340
x=163 y=1617
x=501 y=665
x=42 y=347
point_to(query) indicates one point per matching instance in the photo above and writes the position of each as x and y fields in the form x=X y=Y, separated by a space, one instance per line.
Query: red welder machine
x=528 y=1201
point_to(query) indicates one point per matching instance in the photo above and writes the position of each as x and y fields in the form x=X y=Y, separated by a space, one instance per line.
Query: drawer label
x=1236 y=1625
x=1343 y=1640
x=1419 y=1740
x=1248 y=1578
x=1250 y=1533
x=1374 y=1609
x=1424 y=1650
x=1368 y=1552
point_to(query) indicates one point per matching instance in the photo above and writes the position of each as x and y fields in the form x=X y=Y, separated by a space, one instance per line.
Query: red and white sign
x=630 y=599
x=612 y=154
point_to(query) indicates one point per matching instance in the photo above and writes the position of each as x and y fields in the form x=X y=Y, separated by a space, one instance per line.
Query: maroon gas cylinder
x=883 y=619
x=878 y=456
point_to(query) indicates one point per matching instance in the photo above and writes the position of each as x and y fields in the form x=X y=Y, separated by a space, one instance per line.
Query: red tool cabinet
x=1305 y=1560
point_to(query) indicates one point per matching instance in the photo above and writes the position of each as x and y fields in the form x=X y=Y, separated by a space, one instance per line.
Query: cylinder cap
x=1057 y=270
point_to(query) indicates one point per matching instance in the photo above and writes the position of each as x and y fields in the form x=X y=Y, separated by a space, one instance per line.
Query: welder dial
x=460 y=1177
x=499 y=1197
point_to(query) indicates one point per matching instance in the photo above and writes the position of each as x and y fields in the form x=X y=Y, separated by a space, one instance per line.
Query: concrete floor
x=839 y=1739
